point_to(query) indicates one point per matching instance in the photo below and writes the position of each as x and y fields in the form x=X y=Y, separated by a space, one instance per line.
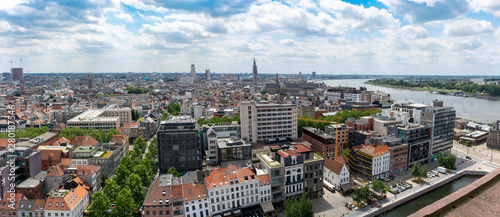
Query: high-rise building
x=313 y=74
x=17 y=74
x=193 y=71
x=254 y=75
x=413 y=79
x=91 y=81
x=442 y=121
x=179 y=144
x=267 y=121
x=494 y=137
x=208 y=76
x=277 y=79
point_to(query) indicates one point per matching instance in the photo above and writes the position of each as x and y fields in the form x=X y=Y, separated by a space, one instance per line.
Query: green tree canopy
x=134 y=183
x=416 y=171
x=100 y=205
x=30 y=132
x=174 y=172
x=172 y=107
x=345 y=152
x=121 y=175
x=448 y=162
x=140 y=145
x=144 y=173
x=124 y=204
x=299 y=208
x=164 y=116
x=361 y=194
x=111 y=189
x=127 y=162
x=379 y=186
x=99 y=135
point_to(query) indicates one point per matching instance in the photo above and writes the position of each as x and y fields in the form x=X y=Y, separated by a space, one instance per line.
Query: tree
x=164 y=116
x=263 y=92
x=124 y=204
x=100 y=205
x=134 y=183
x=111 y=189
x=30 y=132
x=153 y=149
x=292 y=208
x=306 y=206
x=423 y=172
x=173 y=107
x=345 y=152
x=416 y=171
x=361 y=194
x=127 y=162
x=140 y=144
x=17 y=93
x=121 y=175
x=379 y=186
x=447 y=162
x=174 y=172
x=145 y=174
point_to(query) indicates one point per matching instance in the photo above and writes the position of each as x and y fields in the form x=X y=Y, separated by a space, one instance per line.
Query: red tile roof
x=84 y=140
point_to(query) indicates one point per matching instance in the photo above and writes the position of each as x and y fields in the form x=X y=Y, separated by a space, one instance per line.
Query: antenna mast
x=21 y=62
x=10 y=63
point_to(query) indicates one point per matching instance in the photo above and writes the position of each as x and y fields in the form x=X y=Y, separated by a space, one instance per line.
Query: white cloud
x=490 y=6
x=288 y=42
x=414 y=32
x=416 y=12
x=429 y=3
x=467 y=27
x=125 y=17
x=497 y=33
x=358 y=17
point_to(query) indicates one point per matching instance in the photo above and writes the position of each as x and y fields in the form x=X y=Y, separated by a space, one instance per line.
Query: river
x=470 y=108
x=431 y=197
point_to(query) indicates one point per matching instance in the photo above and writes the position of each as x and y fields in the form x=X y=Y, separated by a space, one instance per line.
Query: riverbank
x=431 y=90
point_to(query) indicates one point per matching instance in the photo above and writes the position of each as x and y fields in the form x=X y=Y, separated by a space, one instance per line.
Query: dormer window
x=50 y=204
x=161 y=201
x=154 y=201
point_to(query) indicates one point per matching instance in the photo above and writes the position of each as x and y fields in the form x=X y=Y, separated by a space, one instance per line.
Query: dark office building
x=179 y=144
x=418 y=138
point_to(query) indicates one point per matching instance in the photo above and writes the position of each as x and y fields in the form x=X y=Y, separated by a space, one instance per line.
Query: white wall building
x=265 y=121
x=231 y=188
x=336 y=172
x=195 y=200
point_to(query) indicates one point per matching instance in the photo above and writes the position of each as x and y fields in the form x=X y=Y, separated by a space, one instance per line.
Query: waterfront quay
x=332 y=204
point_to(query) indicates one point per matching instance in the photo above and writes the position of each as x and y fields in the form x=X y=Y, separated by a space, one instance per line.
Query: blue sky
x=445 y=37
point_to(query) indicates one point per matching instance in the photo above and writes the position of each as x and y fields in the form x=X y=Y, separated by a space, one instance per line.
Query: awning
x=328 y=184
x=267 y=207
x=346 y=187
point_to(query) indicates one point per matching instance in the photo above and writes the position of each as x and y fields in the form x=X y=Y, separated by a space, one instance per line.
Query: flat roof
x=29 y=183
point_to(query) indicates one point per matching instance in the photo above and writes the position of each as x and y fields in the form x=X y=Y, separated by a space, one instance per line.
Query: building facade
x=494 y=137
x=179 y=144
x=442 y=122
x=266 y=121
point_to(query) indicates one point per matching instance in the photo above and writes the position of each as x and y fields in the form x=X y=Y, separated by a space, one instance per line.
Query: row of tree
x=467 y=87
x=30 y=132
x=419 y=173
x=136 y=90
x=217 y=119
x=340 y=117
x=99 y=135
x=124 y=193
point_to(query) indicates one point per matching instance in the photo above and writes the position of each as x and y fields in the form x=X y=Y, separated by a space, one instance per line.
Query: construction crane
x=336 y=122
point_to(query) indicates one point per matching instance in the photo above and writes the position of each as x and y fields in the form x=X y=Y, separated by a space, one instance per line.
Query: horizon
x=331 y=37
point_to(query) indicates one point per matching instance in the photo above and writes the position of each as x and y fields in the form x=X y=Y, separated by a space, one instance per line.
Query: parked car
x=468 y=157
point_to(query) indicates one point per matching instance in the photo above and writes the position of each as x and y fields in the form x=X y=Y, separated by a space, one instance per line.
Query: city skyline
x=426 y=37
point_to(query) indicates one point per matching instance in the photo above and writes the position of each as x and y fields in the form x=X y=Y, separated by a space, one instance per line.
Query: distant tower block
x=17 y=74
x=277 y=79
x=193 y=71
x=314 y=74
x=91 y=81
x=300 y=74
x=254 y=75
x=208 y=76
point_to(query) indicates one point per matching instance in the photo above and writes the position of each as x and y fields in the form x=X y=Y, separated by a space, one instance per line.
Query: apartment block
x=320 y=141
x=370 y=162
x=340 y=133
x=265 y=121
x=442 y=121
x=104 y=119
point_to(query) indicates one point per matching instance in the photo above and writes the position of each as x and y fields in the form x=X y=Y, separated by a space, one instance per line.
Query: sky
x=431 y=37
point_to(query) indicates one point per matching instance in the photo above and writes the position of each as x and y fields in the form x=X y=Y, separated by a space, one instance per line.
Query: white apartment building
x=195 y=200
x=213 y=150
x=294 y=178
x=355 y=97
x=381 y=162
x=266 y=121
x=336 y=172
x=265 y=188
x=230 y=189
x=104 y=119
